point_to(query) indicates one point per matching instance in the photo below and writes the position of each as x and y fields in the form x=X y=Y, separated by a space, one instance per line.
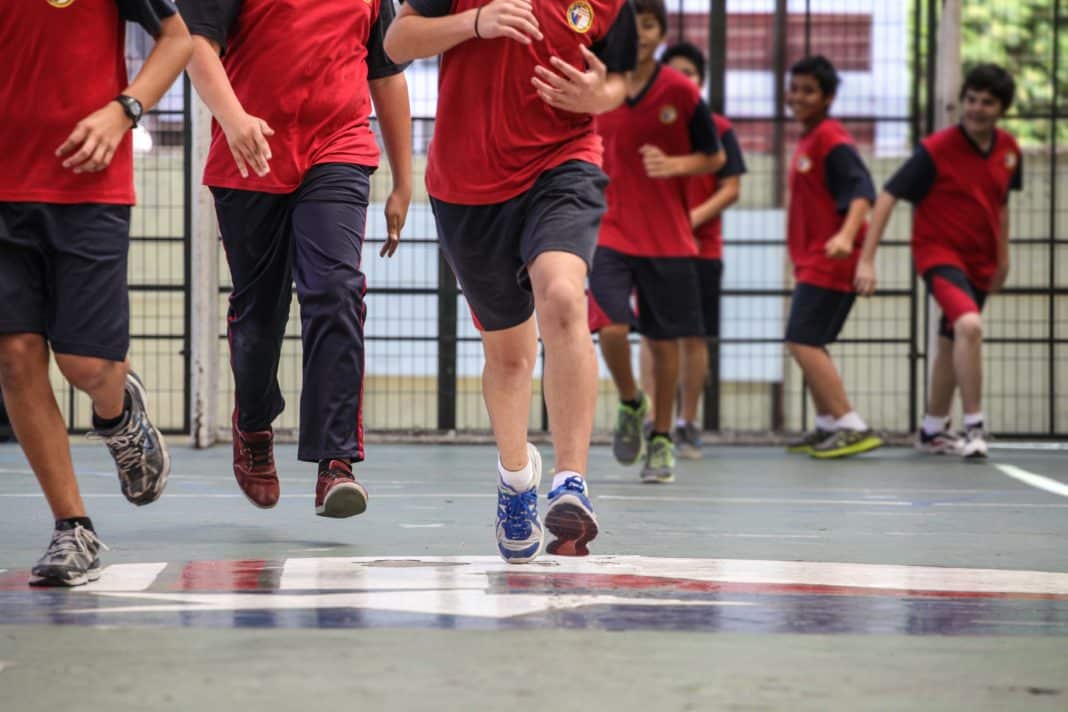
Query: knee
x=561 y=306
x=334 y=288
x=969 y=327
x=510 y=363
x=84 y=373
x=21 y=356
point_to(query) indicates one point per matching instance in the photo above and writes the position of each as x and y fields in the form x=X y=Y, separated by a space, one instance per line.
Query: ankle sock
x=635 y=404
x=851 y=421
x=973 y=420
x=71 y=522
x=112 y=423
x=825 y=423
x=935 y=424
x=520 y=480
x=655 y=434
x=560 y=477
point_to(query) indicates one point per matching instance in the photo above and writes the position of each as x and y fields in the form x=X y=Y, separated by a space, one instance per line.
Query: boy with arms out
x=663 y=133
x=830 y=194
x=517 y=191
x=959 y=180
x=64 y=238
x=289 y=166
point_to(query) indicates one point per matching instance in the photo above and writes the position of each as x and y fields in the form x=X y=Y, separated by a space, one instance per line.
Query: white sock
x=851 y=421
x=521 y=480
x=825 y=423
x=559 y=477
x=681 y=422
x=935 y=424
x=972 y=420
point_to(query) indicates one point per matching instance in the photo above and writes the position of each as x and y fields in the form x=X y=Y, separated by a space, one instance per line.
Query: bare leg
x=943 y=380
x=104 y=381
x=506 y=383
x=666 y=376
x=37 y=422
x=826 y=386
x=616 y=351
x=648 y=381
x=559 y=280
x=968 y=360
x=693 y=373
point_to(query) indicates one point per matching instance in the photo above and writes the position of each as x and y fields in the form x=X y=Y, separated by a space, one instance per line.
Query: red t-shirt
x=700 y=188
x=826 y=175
x=959 y=192
x=60 y=62
x=302 y=67
x=649 y=217
x=493 y=135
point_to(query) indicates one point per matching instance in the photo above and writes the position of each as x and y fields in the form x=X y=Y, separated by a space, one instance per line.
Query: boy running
x=959 y=179
x=517 y=191
x=65 y=202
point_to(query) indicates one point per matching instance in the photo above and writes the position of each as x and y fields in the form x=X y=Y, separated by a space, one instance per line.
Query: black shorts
x=63 y=275
x=817 y=314
x=955 y=294
x=710 y=280
x=490 y=246
x=669 y=296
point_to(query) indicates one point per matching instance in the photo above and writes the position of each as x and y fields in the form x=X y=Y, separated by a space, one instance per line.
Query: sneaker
x=843 y=443
x=659 y=461
x=71 y=559
x=519 y=533
x=944 y=443
x=688 y=441
x=138 y=448
x=337 y=493
x=254 y=467
x=809 y=440
x=627 y=441
x=973 y=446
x=570 y=519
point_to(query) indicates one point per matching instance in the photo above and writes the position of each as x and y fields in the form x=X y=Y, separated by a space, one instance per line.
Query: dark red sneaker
x=254 y=465
x=337 y=493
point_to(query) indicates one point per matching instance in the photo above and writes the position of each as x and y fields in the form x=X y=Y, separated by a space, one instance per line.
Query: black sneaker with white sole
x=71 y=559
x=138 y=448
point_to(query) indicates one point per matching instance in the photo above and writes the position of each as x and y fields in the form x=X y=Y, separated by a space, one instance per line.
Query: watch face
x=135 y=107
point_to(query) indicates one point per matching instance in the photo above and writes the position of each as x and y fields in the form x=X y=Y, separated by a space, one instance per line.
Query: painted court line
x=1030 y=478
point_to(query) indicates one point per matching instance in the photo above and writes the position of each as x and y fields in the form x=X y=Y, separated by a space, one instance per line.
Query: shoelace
x=74 y=541
x=126 y=446
x=629 y=423
x=518 y=508
x=659 y=449
x=259 y=454
x=574 y=484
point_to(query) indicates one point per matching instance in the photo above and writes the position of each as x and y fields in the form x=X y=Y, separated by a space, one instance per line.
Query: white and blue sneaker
x=519 y=533
x=570 y=519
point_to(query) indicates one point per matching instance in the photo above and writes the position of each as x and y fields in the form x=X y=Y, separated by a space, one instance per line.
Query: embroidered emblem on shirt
x=60 y=3
x=668 y=114
x=580 y=16
x=804 y=164
x=1010 y=161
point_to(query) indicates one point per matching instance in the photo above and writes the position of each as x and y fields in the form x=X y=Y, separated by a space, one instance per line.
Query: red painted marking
x=243 y=575
x=15 y=580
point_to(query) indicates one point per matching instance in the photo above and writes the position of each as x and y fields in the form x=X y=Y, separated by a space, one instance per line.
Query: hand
x=247 y=138
x=571 y=90
x=864 y=279
x=838 y=247
x=513 y=19
x=657 y=163
x=94 y=140
x=396 y=215
x=1000 y=275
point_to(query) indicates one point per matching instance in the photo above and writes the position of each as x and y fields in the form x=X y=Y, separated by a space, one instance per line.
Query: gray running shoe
x=808 y=440
x=71 y=559
x=845 y=443
x=627 y=442
x=974 y=444
x=944 y=443
x=688 y=441
x=659 y=461
x=138 y=448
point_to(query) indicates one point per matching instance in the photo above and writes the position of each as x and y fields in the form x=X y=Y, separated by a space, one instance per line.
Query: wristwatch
x=131 y=107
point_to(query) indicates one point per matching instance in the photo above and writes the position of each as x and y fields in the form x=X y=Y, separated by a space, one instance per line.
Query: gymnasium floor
x=758 y=581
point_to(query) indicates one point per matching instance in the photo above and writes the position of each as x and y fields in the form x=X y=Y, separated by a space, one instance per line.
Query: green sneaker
x=808 y=440
x=627 y=441
x=845 y=443
x=659 y=461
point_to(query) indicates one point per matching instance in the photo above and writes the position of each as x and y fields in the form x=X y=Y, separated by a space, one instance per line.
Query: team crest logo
x=60 y=3
x=1010 y=161
x=668 y=114
x=804 y=164
x=580 y=16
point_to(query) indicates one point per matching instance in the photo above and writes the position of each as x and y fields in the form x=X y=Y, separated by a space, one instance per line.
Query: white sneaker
x=974 y=447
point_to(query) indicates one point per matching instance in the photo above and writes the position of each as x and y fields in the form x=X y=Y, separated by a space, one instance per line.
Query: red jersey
x=826 y=175
x=302 y=67
x=700 y=188
x=649 y=217
x=61 y=62
x=493 y=135
x=959 y=191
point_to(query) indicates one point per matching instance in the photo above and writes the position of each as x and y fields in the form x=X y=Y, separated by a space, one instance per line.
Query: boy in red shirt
x=290 y=167
x=959 y=179
x=662 y=133
x=830 y=195
x=517 y=191
x=64 y=240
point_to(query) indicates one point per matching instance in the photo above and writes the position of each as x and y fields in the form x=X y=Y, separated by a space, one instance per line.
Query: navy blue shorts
x=490 y=246
x=817 y=314
x=710 y=281
x=63 y=275
x=669 y=296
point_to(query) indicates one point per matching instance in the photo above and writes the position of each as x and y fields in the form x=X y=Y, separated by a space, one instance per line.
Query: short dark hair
x=689 y=52
x=820 y=67
x=994 y=79
x=655 y=8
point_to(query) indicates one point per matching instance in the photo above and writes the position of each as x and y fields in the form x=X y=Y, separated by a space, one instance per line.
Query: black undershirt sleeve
x=149 y=14
x=913 y=180
x=618 y=49
x=212 y=19
x=379 y=65
x=847 y=177
x=703 y=136
x=431 y=8
x=1016 y=182
x=735 y=165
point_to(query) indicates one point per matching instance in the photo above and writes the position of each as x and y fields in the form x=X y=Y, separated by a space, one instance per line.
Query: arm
x=1002 y=271
x=428 y=29
x=726 y=195
x=390 y=97
x=864 y=280
x=94 y=140
x=660 y=165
